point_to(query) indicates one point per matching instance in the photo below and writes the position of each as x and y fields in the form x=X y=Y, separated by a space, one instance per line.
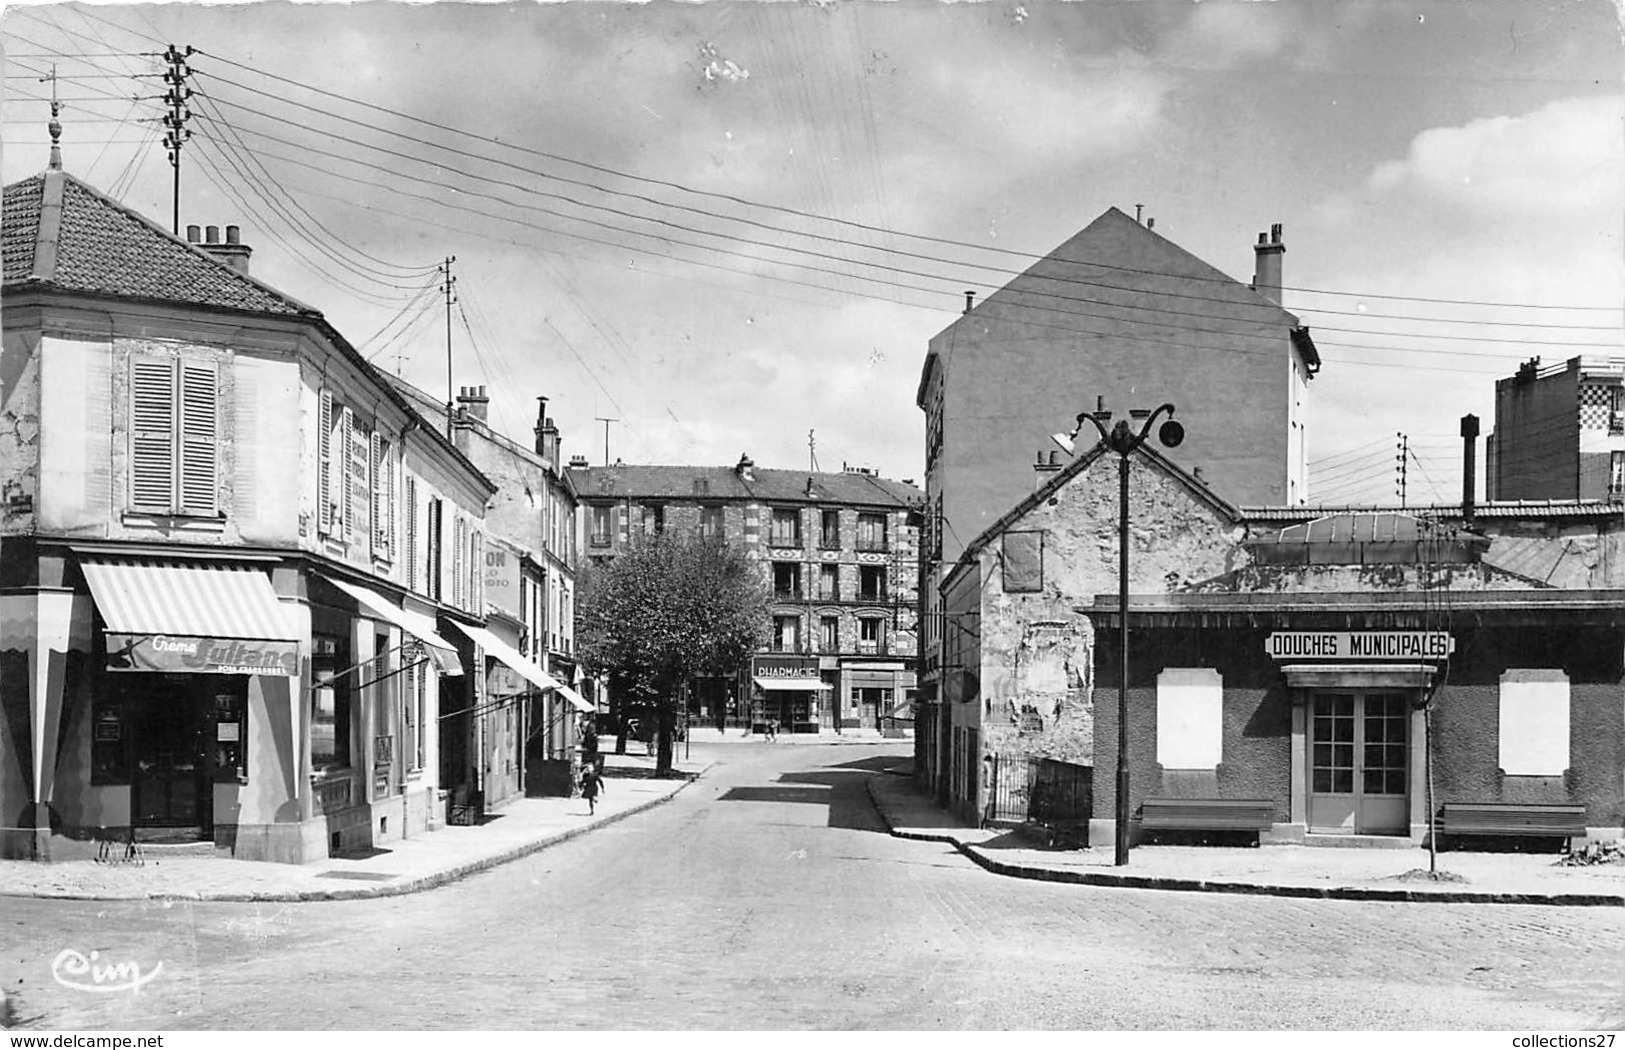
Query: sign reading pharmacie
x=784 y=667
x=1360 y=645
x=194 y=655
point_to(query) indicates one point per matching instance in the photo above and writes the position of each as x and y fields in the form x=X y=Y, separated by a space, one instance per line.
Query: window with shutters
x=476 y=578
x=355 y=479
x=410 y=549
x=458 y=553
x=383 y=497
x=174 y=436
x=436 y=548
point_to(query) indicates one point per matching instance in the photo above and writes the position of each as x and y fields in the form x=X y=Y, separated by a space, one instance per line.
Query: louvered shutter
x=391 y=470
x=457 y=563
x=200 y=438
x=324 y=473
x=380 y=540
x=346 y=495
x=152 y=434
x=410 y=553
x=476 y=571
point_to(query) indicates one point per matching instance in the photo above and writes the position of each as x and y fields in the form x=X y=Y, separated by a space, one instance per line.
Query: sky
x=731 y=228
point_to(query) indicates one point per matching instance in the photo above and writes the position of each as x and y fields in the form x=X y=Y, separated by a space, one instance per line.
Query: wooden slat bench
x=1206 y=814
x=1509 y=818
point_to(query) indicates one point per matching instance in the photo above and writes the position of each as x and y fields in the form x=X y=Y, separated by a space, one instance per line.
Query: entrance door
x=1358 y=757
x=170 y=786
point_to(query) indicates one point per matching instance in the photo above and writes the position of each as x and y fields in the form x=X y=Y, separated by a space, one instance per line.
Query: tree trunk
x=667 y=730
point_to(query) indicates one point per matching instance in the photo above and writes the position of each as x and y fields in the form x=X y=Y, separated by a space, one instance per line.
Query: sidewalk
x=521 y=827
x=1287 y=871
x=712 y=735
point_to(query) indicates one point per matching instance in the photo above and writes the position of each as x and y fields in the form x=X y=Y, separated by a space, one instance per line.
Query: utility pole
x=812 y=452
x=451 y=404
x=1401 y=458
x=177 y=132
x=606 y=421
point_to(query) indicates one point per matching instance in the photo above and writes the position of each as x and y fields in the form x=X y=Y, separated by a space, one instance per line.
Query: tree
x=665 y=610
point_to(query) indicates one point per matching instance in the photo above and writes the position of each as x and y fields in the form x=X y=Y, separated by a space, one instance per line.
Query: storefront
x=786 y=693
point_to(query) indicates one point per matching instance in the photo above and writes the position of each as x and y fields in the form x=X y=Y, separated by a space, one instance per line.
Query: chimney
x=471 y=401
x=970 y=301
x=745 y=468
x=1469 y=467
x=578 y=462
x=233 y=252
x=1045 y=467
x=1267 y=264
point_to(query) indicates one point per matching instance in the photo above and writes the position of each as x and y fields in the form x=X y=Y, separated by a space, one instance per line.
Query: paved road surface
x=768 y=896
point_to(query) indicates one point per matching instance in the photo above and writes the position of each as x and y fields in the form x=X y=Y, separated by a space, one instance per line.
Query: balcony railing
x=829 y=594
x=783 y=538
x=872 y=543
x=873 y=597
x=785 y=645
x=787 y=594
x=872 y=648
x=600 y=539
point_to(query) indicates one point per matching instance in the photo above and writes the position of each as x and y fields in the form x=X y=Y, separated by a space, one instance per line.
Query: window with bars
x=174 y=436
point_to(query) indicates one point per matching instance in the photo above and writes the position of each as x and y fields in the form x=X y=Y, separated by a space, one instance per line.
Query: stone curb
x=1163 y=882
x=417 y=885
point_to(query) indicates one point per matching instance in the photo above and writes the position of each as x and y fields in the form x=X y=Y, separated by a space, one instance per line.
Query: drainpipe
x=1469 y=437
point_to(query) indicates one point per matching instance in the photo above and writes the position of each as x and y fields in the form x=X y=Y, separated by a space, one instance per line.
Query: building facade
x=229 y=554
x=523 y=732
x=1321 y=665
x=1559 y=432
x=1116 y=317
x=839 y=554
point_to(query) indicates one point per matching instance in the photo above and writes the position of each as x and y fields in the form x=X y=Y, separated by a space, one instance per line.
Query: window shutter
x=346 y=498
x=391 y=470
x=476 y=570
x=324 y=473
x=152 y=434
x=380 y=537
x=411 y=551
x=199 y=431
x=457 y=562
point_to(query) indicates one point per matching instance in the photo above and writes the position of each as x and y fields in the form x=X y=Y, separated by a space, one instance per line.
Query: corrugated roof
x=662 y=482
x=105 y=248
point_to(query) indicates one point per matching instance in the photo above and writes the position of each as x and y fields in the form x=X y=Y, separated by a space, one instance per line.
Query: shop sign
x=1359 y=645
x=784 y=667
x=502 y=581
x=186 y=653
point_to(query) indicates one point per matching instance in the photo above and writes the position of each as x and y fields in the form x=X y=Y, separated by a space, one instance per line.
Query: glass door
x=1359 y=763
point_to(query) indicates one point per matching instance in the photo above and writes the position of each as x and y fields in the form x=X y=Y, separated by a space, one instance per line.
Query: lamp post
x=1123 y=439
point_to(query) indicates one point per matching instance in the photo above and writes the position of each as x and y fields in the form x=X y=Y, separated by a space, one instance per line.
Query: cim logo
x=72 y=969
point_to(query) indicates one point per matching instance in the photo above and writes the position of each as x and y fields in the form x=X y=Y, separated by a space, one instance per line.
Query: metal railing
x=1023 y=789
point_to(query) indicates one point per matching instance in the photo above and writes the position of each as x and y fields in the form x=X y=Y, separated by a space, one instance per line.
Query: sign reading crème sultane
x=161 y=652
x=1359 y=645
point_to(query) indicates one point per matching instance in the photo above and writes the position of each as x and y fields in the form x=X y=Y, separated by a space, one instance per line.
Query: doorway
x=169 y=740
x=1359 y=772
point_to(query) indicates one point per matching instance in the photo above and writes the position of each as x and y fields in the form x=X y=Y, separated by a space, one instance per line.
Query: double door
x=170 y=724
x=1359 y=763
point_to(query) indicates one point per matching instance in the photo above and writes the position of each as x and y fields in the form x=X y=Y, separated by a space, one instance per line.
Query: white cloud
x=1223 y=35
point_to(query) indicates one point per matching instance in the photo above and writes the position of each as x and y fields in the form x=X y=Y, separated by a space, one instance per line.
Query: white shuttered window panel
x=346 y=503
x=457 y=532
x=152 y=434
x=199 y=487
x=410 y=508
x=324 y=473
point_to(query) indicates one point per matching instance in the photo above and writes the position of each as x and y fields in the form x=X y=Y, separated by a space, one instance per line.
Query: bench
x=1509 y=818
x=1206 y=814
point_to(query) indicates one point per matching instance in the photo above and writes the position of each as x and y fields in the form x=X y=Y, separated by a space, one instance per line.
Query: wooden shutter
x=410 y=550
x=379 y=452
x=346 y=494
x=324 y=473
x=476 y=571
x=152 y=434
x=199 y=486
x=457 y=554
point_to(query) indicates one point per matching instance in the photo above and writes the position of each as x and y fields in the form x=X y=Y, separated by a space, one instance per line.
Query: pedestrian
x=592 y=782
x=772 y=730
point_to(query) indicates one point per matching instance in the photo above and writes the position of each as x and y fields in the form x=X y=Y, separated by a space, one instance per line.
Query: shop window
x=109 y=740
x=1534 y=723
x=174 y=436
x=1190 y=718
x=329 y=704
x=231 y=728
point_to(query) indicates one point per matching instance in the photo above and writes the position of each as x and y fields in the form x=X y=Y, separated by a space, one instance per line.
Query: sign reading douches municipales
x=184 y=653
x=1359 y=645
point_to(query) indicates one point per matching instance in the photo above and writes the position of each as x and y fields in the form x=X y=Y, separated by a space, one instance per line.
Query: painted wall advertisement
x=185 y=653
x=502 y=581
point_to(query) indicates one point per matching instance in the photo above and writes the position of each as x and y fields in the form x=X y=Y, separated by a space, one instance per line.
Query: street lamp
x=1124 y=439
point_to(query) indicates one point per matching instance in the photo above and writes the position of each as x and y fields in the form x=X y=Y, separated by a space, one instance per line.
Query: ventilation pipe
x=1469 y=467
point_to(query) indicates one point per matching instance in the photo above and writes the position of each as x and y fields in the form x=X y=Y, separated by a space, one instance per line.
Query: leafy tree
x=665 y=610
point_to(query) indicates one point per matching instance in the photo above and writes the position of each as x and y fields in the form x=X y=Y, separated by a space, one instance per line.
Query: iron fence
x=1025 y=789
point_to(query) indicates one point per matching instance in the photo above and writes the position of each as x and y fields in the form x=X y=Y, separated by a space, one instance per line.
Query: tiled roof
x=659 y=482
x=105 y=248
x=1532 y=510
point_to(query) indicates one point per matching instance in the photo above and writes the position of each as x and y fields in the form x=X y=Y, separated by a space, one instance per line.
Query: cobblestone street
x=768 y=895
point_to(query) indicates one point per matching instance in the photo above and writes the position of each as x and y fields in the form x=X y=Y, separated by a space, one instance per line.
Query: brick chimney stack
x=472 y=402
x=1267 y=264
x=231 y=251
x=547 y=435
x=1045 y=467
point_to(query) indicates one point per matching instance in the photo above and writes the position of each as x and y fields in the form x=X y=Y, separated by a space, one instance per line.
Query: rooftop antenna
x=606 y=420
x=55 y=126
x=812 y=452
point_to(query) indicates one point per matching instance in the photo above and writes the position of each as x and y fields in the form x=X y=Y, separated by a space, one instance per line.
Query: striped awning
x=162 y=597
x=576 y=699
x=441 y=652
x=527 y=668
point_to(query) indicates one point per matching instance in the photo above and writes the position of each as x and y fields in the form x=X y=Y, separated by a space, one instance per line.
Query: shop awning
x=809 y=685
x=442 y=652
x=526 y=668
x=164 y=615
x=576 y=699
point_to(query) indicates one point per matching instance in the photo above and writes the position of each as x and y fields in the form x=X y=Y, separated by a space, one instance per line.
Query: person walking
x=592 y=782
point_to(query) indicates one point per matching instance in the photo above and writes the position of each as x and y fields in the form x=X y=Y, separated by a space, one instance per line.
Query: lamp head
x=1171 y=433
x=1065 y=441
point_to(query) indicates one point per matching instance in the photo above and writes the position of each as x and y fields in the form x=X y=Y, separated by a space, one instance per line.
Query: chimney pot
x=1267 y=264
x=233 y=235
x=211 y=234
x=193 y=233
x=970 y=301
